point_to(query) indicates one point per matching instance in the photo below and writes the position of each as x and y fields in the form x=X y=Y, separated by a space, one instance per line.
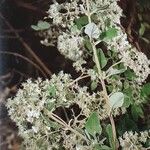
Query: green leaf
x=126 y=124
x=88 y=44
x=103 y=147
x=92 y=30
x=102 y=59
x=52 y=91
x=145 y=40
x=145 y=91
x=34 y=27
x=110 y=136
x=127 y=101
x=113 y=71
x=92 y=125
x=136 y=111
x=74 y=29
x=97 y=147
x=110 y=33
x=50 y=105
x=116 y=100
x=129 y=74
x=81 y=22
x=142 y=29
x=42 y=25
x=94 y=85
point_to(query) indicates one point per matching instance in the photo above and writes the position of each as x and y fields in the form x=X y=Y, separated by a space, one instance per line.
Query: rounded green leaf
x=34 y=27
x=92 y=30
x=92 y=125
x=102 y=58
x=116 y=100
x=43 y=25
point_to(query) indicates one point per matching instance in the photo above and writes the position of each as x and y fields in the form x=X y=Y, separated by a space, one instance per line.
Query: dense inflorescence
x=28 y=110
x=133 y=140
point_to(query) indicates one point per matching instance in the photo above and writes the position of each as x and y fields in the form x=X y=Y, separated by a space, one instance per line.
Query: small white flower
x=35 y=129
x=70 y=46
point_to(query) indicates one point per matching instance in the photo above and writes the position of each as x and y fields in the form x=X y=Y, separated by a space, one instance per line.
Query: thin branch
x=9 y=31
x=24 y=58
x=7 y=37
x=102 y=80
x=30 y=7
x=3 y=77
x=27 y=47
x=78 y=79
x=88 y=11
x=64 y=124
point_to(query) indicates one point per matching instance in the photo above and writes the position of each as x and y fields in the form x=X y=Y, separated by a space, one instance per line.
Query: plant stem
x=64 y=124
x=105 y=94
x=88 y=11
x=101 y=79
x=78 y=79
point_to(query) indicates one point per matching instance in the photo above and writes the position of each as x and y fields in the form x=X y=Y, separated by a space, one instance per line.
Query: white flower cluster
x=108 y=16
x=65 y=13
x=69 y=42
x=78 y=65
x=27 y=108
x=108 y=12
x=31 y=93
x=55 y=14
x=70 y=46
x=138 y=62
x=134 y=141
x=135 y=60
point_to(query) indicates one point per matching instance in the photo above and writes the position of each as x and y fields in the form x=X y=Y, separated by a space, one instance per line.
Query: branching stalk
x=101 y=79
x=64 y=124
x=78 y=79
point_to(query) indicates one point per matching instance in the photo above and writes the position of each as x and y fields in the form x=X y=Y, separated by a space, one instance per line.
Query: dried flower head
x=133 y=140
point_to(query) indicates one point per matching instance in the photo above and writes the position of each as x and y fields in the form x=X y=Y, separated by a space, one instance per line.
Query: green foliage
x=142 y=29
x=145 y=91
x=114 y=71
x=81 y=22
x=102 y=58
x=136 y=111
x=92 y=125
x=41 y=25
x=109 y=34
x=126 y=123
x=103 y=147
x=52 y=91
x=129 y=74
x=110 y=136
x=88 y=44
x=94 y=85
x=116 y=100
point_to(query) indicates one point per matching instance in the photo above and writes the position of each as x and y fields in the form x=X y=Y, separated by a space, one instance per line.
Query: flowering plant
x=60 y=113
